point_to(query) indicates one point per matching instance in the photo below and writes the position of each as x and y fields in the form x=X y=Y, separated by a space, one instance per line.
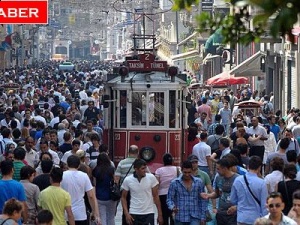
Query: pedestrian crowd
x=251 y=156
x=239 y=167
x=55 y=167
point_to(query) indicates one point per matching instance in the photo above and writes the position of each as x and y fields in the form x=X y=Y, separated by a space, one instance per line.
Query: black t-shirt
x=233 y=137
x=65 y=147
x=287 y=193
x=42 y=181
x=91 y=113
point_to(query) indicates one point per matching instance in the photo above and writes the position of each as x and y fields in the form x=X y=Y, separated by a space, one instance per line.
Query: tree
x=235 y=27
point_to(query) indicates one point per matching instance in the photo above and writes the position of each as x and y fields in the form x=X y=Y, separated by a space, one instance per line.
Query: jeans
x=107 y=211
x=193 y=221
x=166 y=212
x=147 y=219
x=204 y=169
x=128 y=206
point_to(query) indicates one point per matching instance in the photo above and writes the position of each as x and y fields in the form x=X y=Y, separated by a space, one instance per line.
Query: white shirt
x=55 y=157
x=54 y=121
x=42 y=119
x=273 y=179
x=87 y=145
x=202 y=150
x=66 y=156
x=77 y=183
x=3 y=123
x=60 y=136
x=140 y=192
x=296 y=131
x=260 y=131
x=285 y=220
x=30 y=157
x=83 y=95
x=270 y=144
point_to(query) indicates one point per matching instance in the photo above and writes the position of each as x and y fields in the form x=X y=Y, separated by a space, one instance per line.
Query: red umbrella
x=225 y=78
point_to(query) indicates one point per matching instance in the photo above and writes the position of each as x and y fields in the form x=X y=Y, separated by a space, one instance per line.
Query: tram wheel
x=147 y=153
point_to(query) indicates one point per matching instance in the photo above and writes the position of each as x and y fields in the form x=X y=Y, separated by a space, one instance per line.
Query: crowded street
x=143 y=112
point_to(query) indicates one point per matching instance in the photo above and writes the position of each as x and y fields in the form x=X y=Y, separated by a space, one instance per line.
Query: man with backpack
x=212 y=127
x=267 y=109
x=213 y=140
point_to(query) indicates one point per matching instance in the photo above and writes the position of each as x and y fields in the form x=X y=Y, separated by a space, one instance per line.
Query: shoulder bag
x=255 y=198
x=3 y=222
x=115 y=189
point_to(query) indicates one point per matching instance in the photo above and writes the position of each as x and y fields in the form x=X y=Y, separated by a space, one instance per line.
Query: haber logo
x=23 y=12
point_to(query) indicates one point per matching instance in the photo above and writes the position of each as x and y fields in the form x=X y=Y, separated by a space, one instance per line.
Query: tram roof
x=147 y=78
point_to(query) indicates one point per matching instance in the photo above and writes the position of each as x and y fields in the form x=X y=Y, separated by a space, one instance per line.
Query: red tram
x=146 y=108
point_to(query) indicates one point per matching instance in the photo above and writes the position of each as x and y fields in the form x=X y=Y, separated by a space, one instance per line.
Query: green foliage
x=235 y=28
x=184 y=4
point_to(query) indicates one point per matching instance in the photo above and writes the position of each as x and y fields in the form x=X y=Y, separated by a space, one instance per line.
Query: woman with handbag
x=103 y=175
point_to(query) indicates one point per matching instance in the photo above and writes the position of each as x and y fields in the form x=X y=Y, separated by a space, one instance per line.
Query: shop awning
x=186 y=55
x=250 y=67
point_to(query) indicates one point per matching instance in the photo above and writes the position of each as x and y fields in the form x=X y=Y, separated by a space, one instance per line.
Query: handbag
x=115 y=189
x=115 y=192
x=208 y=216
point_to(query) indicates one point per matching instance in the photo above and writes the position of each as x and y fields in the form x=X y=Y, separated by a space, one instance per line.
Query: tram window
x=172 y=109
x=123 y=108
x=139 y=108
x=156 y=109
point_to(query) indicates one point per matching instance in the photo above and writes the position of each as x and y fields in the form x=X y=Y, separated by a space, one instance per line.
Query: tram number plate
x=177 y=137
x=117 y=137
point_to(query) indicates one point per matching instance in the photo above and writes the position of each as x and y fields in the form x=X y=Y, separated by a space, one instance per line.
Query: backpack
x=266 y=108
x=4 y=147
x=215 y=145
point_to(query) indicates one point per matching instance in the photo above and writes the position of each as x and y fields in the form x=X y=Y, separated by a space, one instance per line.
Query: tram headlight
x=172 y=72
x=147 y=153
x=123 y=71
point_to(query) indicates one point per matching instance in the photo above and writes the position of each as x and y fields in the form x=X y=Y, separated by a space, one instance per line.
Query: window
x=172 y=109
x=139 y=108
x=156 y=109
x=147 y=109
x=123 y=109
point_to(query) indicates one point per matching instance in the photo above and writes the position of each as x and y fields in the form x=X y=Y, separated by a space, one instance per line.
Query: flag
x=9 y=29
x=4 y=46
x=8 y=40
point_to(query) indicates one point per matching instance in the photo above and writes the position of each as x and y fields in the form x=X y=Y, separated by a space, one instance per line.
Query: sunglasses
x=277 y=205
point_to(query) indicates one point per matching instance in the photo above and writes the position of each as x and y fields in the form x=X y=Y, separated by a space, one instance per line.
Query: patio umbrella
x=225 y=79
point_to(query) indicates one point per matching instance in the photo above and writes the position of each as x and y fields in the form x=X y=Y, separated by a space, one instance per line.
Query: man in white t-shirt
x=143 y=189
x=75 y=148
x=77 y=183
x=203 y=152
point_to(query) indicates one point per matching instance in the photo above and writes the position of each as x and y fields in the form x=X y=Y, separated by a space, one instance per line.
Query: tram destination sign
x=147 y=63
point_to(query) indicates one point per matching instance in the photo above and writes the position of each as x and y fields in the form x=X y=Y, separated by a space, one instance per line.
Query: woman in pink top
x=164 y=176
